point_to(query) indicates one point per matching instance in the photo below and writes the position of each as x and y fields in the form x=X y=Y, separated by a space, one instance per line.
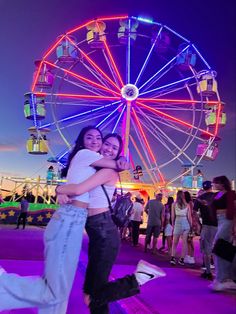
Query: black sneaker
x=206 y=275
x=173 y=260
x=181 y=261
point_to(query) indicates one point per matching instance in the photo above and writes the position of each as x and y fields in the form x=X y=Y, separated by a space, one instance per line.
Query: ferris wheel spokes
x=148 y=164
x=118 y=120
x=148 y=57
x=88 y=112
x=143 y=160
x=153 y=133
x=147 y=143
x=174 y=119
x=100 y=71
x=79 y=77
x=167 y=85
x=164 y=143
x=150 y=80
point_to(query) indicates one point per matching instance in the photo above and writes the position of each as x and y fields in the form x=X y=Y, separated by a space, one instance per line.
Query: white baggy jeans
x=50 y=293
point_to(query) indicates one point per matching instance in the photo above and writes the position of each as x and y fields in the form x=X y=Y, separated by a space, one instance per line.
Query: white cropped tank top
x=181 y=212
x=81 y=170
x=97 y=197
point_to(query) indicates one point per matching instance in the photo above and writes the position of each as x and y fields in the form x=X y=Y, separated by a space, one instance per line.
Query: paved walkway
x=182 y=291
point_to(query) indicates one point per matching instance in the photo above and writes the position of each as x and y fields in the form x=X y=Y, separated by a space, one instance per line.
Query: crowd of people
x=211 y=216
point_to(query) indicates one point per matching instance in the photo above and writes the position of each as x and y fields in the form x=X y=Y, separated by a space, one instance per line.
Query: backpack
x=121 y=211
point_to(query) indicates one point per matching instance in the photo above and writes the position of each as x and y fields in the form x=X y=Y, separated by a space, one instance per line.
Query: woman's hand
x=122 y=164
x=63 y=199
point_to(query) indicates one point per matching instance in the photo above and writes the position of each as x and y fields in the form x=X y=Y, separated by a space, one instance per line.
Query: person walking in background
x=182 y=221
x=24 y=207
x=189 y=258
x=155 y=211
x=224 y=205
x=168 y=228
x=136 y=219
x=209 y=226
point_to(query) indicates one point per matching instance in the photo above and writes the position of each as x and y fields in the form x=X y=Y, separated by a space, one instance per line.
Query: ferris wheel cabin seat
x=96 y=35
x=211 y=116
x=66 y=51
x=208 y=152
x=162 y=41
x=34 y=106
x=44 y=76
x=127 y=31
x=37 y=144
x=186 y=58
x=207 y=85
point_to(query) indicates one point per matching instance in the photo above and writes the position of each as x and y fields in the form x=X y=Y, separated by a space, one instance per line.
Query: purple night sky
x=28 y=28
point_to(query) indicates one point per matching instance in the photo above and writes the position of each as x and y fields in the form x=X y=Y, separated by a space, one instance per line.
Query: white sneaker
x=187 y=259
x=2 y=270
x=146 y=272
x=217 y=286
x=230 y=284
x=191 y=260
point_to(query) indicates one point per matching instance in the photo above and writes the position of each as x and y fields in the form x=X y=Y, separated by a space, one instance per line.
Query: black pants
x=22 y=217
x=104 y=242
x=135 y=231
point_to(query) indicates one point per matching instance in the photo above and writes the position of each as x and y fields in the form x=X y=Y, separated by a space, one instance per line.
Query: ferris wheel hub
x=130 y=92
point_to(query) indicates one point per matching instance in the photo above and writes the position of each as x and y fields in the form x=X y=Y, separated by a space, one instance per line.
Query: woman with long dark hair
x=224 y=204
x=168 y=227
x=189 y=258
x=182 y=221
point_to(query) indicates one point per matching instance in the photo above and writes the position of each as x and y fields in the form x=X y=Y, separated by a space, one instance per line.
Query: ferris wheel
x=133 y=76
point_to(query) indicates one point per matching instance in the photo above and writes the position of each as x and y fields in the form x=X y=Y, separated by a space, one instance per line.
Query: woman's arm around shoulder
x=103 y=176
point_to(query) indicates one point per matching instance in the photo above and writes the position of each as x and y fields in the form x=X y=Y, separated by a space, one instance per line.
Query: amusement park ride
x=133 y=76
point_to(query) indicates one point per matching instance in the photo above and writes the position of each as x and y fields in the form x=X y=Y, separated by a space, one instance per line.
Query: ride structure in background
x=133 y=76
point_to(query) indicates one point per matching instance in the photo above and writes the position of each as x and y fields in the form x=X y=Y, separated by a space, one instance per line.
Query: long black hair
x=118 y=137
x=224 y=181
x=79 y=144
x=188 y=196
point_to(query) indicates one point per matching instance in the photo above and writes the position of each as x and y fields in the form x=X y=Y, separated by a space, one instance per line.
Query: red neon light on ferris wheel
x=100 y=19
x=182 y=101
x=36 y=76
x=174 y=119
x=112 y=59
x=146 y=143
x=93 y=63
x=92 y=97
x=81 y=78
x=217 y=119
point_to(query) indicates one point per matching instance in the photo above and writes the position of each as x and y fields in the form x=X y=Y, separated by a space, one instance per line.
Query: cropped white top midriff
x=97 y=197
x=81 y=170
x=181 y=212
